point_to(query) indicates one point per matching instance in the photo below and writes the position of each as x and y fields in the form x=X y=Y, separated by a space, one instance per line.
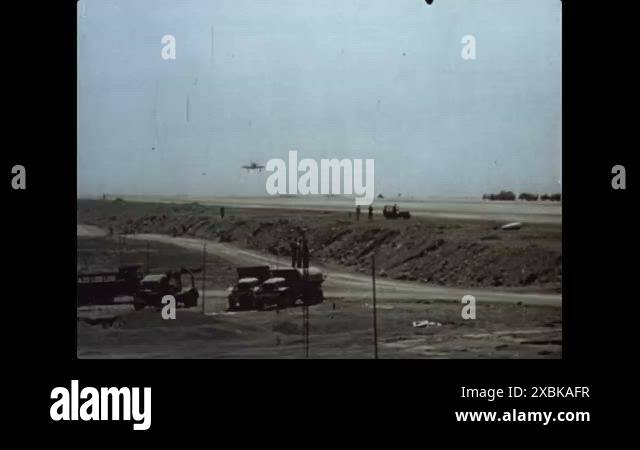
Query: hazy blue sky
x=344 y=79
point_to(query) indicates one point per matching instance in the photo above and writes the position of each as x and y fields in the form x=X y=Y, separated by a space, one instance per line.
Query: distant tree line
x=526 y=196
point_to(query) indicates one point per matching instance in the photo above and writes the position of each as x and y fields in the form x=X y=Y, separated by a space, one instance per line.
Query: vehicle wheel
x=284 y=301
x=137 y=305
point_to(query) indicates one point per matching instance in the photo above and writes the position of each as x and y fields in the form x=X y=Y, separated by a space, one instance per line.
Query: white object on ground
x=512 y=226
x=425 y=323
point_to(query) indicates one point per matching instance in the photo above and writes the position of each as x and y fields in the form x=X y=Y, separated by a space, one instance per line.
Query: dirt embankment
x=436 y=251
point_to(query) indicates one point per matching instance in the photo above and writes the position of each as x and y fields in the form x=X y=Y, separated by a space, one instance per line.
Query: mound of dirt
x=436 y=251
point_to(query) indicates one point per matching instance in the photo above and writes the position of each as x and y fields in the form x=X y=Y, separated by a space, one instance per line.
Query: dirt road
x=343 y=284
x=89 y=231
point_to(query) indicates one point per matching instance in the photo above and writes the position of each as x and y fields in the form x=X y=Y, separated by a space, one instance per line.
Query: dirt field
x=518 y=316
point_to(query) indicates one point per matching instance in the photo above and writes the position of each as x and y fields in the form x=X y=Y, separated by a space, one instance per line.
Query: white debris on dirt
x=425 y=324
x=512 y=226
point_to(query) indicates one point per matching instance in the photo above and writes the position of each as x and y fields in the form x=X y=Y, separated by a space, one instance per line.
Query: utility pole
x=120 y=246
x=148 y=258
x=375 y=315
x=305 y=327
x=204 y=266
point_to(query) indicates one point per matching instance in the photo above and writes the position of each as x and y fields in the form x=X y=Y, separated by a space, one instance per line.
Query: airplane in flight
x=253 y=166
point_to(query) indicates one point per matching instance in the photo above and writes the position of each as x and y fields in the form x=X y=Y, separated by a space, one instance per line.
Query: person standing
x=305 y=256
x=299 y=254
x=370 y=212
x=294 y=252
x=358 y=213
x=222 y=212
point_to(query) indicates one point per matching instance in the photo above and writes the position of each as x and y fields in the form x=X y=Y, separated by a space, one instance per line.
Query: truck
x=102 y=288
x=242 y=295
x=392 y=212
x=287 y=286
x=154 y=287
x=262 y=287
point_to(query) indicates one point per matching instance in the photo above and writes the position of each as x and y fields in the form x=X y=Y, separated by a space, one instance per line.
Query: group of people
x=370 y=215
x=300 y=253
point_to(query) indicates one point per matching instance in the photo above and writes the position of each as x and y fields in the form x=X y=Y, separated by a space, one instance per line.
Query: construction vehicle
x=102 y=288
x=241 y=296
x=154 y=287
x=392 y=212
x=261 y=287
